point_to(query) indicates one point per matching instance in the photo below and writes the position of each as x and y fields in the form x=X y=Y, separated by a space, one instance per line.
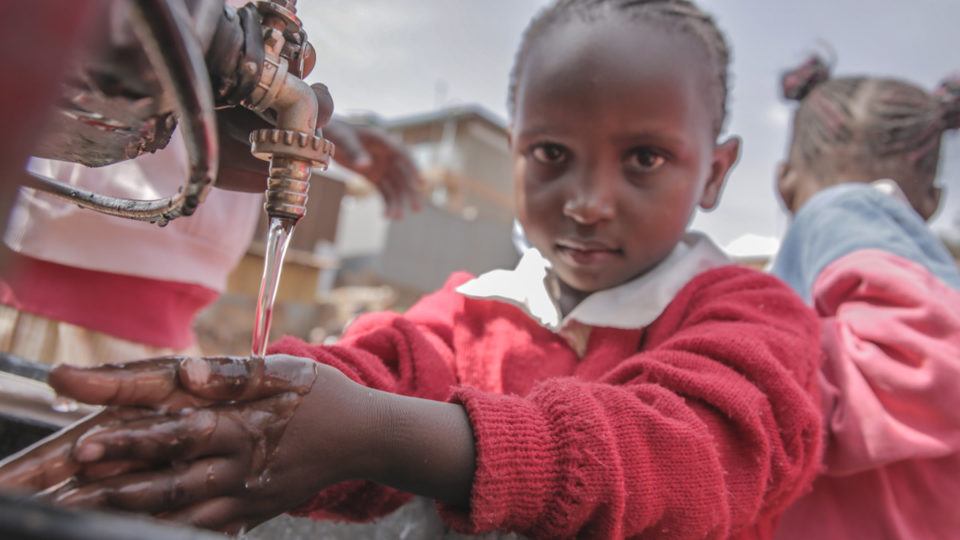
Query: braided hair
x=886 y=128
x=680 y=15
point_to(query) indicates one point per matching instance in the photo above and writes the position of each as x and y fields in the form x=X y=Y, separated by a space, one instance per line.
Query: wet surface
x=179 y=430
x=245 y=379
x=17 y=434
x=46 y=463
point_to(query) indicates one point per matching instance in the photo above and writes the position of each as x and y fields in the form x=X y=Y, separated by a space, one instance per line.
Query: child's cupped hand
x=220 y=443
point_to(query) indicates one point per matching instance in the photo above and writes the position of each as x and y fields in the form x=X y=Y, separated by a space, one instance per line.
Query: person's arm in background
x=891 y=333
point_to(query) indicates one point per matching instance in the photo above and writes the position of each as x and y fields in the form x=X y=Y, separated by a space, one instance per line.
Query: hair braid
x=682 y=15
x=886 y=125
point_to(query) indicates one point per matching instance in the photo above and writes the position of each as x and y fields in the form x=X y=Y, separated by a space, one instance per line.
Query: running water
x=278 y=238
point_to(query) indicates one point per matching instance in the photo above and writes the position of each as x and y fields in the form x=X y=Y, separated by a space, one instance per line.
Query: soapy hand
x=212 y=442
x=226 y=443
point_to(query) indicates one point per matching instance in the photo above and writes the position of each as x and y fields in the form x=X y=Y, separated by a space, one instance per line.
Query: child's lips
x=587 y=254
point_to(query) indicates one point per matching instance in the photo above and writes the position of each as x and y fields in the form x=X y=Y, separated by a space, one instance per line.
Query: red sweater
x=705 y=424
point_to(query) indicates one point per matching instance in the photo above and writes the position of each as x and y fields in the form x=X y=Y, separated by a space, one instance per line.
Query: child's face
x=613 y=147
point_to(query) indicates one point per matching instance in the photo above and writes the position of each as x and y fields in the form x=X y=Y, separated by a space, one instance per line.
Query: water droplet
x=211 y=477
x=265 y=479
x=65 y=405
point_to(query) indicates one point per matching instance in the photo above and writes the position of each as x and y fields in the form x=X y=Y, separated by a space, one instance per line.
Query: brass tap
x=295 y=145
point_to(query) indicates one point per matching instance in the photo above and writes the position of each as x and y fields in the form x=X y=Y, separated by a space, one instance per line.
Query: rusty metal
x=292 y=155
x=235 y=55
x=178 y=60
x=256 y=56
x=295 y=146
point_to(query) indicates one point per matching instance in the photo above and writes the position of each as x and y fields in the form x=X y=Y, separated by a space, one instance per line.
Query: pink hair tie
x=797 y=83
x=949 y=95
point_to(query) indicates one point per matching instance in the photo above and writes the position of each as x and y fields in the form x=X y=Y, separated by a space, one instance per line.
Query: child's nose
x=592 y=203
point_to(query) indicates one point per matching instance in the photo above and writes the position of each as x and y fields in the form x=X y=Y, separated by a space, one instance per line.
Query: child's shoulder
x=736 y=287
x=850 y=218
x=733 y=277
x=735 y=303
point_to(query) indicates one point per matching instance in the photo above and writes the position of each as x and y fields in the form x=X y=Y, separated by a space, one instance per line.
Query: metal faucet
x=294 y=146
x=97 y=129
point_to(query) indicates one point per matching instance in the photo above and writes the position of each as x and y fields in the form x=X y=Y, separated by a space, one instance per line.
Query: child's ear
x=931 y=203
x=725 y=156
x=786 y=185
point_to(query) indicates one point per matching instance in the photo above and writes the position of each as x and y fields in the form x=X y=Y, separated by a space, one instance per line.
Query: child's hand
x=232 y=464
x=226 y=443
x=197 y=439
x=385 y=162
x=150 y=382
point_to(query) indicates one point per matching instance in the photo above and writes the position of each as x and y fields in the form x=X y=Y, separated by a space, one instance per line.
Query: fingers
x=410 y=183
x=246 y=379
x=384 y=161
x=222 y=514
x=176 y=382
x=142 y=383
x=161 y=491
x=93 y=472
x=41 y=469
x=351 y=152
x=185 y=436
x=324 y=101
x=401 y=180
x=392 y=198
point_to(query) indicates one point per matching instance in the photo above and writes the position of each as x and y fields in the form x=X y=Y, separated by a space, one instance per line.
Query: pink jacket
x=890 y=383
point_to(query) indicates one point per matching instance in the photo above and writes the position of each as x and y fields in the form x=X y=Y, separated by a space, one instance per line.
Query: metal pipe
x=140 y=210
x=176 y=55
x=296 y=106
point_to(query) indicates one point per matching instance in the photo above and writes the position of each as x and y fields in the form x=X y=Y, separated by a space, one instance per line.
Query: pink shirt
x=201 y=249
x=891 y=387
x=124 y=278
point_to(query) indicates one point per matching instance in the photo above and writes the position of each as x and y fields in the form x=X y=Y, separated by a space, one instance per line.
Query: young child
x=623 y=381
x=861 y=180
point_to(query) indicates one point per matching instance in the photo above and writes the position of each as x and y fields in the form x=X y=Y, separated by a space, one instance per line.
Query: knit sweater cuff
x=517 y=472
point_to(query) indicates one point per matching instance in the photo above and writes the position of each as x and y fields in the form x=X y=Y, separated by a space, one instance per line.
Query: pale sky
x=399 y=57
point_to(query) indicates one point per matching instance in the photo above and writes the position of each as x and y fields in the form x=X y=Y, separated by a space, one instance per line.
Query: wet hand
x=245 y=457
x=49 y=463
x=382 y=160
x=140 y=391
x=226 y=443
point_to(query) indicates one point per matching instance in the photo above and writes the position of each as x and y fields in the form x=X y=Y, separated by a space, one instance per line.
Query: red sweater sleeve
x=710 y=432
x=410 y=355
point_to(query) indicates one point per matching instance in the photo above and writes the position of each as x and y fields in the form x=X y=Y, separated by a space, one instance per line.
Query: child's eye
x=644 y=160
x=550 y=154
